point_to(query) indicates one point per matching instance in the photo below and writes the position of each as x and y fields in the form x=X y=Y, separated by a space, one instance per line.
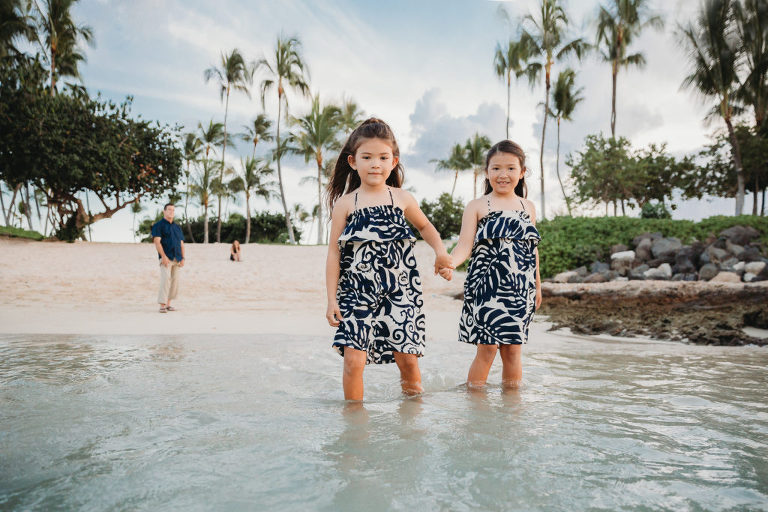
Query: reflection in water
x=232 y=423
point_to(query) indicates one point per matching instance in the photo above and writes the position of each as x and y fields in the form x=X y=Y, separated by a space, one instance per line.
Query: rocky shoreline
x=698 y=312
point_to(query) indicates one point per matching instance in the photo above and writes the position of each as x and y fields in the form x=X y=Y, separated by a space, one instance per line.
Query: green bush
x=266 y=227
x=20 y=233
x=655 y=211
x=445 y=214
x=569 y=242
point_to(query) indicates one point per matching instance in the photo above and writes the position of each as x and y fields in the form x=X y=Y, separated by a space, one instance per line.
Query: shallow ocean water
x=258 y=423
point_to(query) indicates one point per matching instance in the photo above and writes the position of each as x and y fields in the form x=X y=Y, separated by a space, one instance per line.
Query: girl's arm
x=467 y=235
x=532 y=210
x=428 y=232
x=333 y=261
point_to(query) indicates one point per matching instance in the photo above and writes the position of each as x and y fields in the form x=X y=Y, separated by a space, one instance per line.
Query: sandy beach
x=109 y=288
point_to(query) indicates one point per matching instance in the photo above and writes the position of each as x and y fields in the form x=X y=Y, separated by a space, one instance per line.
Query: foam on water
x=253 y=422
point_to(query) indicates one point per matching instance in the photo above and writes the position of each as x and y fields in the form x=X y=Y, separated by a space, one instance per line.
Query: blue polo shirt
x=170 y=238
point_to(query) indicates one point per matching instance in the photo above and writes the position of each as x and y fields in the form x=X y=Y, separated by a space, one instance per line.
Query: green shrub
x=266 y=227
x=445 y=214
x=569 y=242
x=20 y=233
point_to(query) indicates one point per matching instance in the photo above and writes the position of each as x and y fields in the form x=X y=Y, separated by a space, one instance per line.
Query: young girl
x=234 y=252
x=503 y=287
x=374 y=288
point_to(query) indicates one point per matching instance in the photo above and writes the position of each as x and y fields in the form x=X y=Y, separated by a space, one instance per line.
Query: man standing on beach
x=169 y=242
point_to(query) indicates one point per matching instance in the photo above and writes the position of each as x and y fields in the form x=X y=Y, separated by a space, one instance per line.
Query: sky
x=425 y=67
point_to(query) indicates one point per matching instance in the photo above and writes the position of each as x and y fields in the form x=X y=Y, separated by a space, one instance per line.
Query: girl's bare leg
x=512 y=371
x=354 y=364
x=478 y=372
x=410 y=375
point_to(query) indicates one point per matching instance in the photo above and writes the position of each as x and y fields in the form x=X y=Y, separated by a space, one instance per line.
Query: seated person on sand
x=235 y=253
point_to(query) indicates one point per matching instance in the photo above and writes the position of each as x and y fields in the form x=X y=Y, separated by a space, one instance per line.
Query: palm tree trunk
x=27 y=205
x=53 y=71
x=13 y=200
x=221 y=174
x=205 y=224
x=623 y=213
x=186 y=204
x=614 y=73
x=455 y=178
x=762 y=206
x=319 y=201
x=565 y=196
x=288 y=224
x=737 y=164
x=247 y=217
x=474 y=183
x=754 y=196
x=2 y=204
x=541 y=153
x=509 y=87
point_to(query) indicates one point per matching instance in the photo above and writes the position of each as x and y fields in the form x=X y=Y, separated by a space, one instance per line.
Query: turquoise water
x=257 y=423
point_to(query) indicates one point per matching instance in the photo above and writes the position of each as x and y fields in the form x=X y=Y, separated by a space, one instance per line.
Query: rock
x=749 y=277
x=619 y=278
x=754 y=267
x=751 y=253
x=762 y=276
x=726 y=277
x=707 y=272
x=667 y=258
x=582 y=271
x=646 y=236
x=619 y=248
x=595 y=278
x=621 y=262
x=729 y=264
x=703 y=259
x=733 y=248
x=740 y=235
x=638 y=273
x=717 y=255
x=683 y=265
x=685 y=277
x=599 y=266
x=663 y=272
x=643 y=250
x=665 y=246
x=563 y=277
x=739 y=267
x=720 y=242
x=694 y=252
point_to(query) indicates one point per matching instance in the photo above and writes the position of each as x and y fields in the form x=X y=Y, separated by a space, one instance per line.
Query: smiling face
x=504 y=172
x=373 y=161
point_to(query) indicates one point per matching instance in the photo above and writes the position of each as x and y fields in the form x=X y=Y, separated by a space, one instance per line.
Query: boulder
x=751 y=253
x=638 y=273
x=621 y=262
x=729 y=264
x=646 y=236
x=762 y=276
x=683 y=265
x=708 y=271
x=726 y=277
x=694 y=252
x=667 y=258
x=748 y=277
x=563 y=277
x=619 y=278
x=733 y=248
x=740 y=235
x=665 y=246
x=703 y=259
x=663 y=272
x=685 y=277
x=754 y=267
x=595 y=278
x=643 y=249
x=717 y=255
x=599 y=266
x=619 y=248
x=582 y=271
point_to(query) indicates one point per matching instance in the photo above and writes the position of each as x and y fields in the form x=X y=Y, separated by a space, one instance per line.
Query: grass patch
x=20 y=233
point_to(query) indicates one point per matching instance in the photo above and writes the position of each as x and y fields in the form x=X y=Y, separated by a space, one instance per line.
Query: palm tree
x=617 y=25
x=253 y=182
x=286 y=70
x=507 y=60
x=211 y=136
x=457 y=161
x=752 y=26
x=235 y=74
x=317 y=131
x=351 y=115
x=61 y=38
x=15 y=24
x=201 y=187
x=299 y=214
x=543 y=39
x=257 y=131
x=474 y=151
x=713 y=52
x=192 y=149
x=565 y=100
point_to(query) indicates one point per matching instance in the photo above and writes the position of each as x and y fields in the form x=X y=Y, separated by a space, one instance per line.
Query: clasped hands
x=444 y=266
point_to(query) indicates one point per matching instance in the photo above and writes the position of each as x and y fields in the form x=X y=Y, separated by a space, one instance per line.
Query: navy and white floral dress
x=500 y=288
x=379 y=291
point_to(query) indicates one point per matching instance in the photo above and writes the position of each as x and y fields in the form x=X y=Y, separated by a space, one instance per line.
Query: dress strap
x=488 y=200
x=392 y=199
x=355 y=201
x=522 y=204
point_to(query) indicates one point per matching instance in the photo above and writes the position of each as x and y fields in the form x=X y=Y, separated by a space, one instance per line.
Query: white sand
x=103 y=288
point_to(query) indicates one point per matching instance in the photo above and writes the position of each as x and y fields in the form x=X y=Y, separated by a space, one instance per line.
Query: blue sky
x=423 y=66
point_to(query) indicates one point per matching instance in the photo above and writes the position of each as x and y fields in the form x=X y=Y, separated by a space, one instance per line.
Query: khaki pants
x=169 y=282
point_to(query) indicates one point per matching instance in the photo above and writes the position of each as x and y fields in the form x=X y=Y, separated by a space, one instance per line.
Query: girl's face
x=373 y=161
x=504 y=172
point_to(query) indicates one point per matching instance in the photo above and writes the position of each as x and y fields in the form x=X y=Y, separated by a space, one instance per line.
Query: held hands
x=444 y=265
x=333 y=314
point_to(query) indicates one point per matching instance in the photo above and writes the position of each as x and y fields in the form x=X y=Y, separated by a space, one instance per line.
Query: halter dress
x=379 y=291
x=500 y=288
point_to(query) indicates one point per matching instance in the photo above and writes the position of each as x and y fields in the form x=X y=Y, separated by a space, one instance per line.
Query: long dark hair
x=344 y=178
x=507 y=146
